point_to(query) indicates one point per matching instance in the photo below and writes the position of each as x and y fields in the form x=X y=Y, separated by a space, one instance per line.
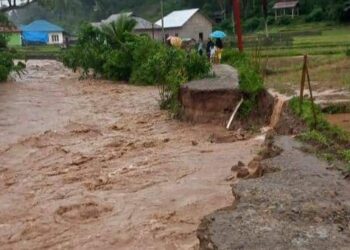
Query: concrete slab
x=226 y=78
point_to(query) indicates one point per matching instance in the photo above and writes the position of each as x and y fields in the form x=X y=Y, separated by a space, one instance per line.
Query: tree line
x=70 y=13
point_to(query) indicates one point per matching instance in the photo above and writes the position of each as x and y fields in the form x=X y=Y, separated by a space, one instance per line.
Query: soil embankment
x=342 y=120
x=95 y=165
x=213 y=100
x=297 y=204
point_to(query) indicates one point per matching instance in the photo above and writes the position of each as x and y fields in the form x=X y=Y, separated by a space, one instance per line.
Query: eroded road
x=95 y=165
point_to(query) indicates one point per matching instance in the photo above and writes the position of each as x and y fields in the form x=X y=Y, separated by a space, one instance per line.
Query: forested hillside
x=71 y=13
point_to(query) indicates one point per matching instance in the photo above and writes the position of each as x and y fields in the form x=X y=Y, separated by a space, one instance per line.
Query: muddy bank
x=299 y=205
x=213 y=100
x=95 y=165
x=341 y=120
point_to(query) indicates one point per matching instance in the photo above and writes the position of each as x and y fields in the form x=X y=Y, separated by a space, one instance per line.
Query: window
x=55 y=38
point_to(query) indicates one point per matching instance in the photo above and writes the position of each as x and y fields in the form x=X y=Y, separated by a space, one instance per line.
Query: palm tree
x=116 y=32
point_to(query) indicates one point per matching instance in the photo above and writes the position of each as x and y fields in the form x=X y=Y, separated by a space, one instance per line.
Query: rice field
x=325 y=45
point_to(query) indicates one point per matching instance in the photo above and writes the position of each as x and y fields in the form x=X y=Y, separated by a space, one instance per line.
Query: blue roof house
x=42 y=32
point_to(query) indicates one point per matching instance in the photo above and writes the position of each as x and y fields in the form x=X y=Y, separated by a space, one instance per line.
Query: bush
x=117 y=66
x=89 y=53
x=196 y=66
x=116 y=54
x=316 y=15
x=6 y=60
x=271 y=20
x=250 y=79
x=3 y=41
x=284 y=20
x=226 y=25
x=143 y=71
x=252 y=24
x=6 y=65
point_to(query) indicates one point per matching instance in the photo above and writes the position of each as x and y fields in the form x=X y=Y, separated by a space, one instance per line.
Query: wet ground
x=340 y=120
x=95 y=165
x=299 y=203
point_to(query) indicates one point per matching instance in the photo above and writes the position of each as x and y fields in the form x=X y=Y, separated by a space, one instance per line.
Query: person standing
x=219 y=48
x=200 y=47
x=210 y=45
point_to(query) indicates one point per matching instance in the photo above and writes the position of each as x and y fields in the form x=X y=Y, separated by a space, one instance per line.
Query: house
x=12 y=34
x=42 y=32
x=282 y=8
x=142 y=25
x=188 y=24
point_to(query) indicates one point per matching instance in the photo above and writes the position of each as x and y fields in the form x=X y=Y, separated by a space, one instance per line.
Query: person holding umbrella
x=219 y=48
x=218 y=35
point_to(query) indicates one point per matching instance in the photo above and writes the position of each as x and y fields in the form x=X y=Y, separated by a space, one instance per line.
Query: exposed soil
x=341 y=120
x=95 y=165
x=213 y=100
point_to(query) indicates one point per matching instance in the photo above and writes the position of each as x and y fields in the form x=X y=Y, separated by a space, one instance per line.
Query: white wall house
x=56 y=38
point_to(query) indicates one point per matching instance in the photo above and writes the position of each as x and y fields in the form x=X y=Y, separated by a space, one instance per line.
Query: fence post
x=302 y=86
x=305 y=74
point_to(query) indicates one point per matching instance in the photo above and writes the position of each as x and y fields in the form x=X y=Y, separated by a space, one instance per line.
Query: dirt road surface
x=94 y=165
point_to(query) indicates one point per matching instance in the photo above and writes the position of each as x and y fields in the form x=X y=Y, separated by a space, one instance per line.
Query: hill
x=71 y=13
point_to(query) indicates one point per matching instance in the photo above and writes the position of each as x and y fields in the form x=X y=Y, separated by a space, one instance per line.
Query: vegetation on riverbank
x=330 y=142
x=251 y=82
x=115 y=53
x=7 y=56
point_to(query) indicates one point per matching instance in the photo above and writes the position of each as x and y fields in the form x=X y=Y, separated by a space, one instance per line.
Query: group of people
x=213 y=50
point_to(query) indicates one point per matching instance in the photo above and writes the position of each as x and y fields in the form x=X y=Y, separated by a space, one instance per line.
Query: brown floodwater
x=341 y=120
x=96 y=165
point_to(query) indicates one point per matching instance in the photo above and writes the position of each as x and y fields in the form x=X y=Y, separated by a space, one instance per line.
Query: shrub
x=196 y=66
x=3 y=41
x=284 y=20
x=117 y=65
x=250 y=79
x=316 y=15
x=252 y=24
x=89 y=53
x=226 y=25
x=270 y=20
x=143 y=71
x=116 y=54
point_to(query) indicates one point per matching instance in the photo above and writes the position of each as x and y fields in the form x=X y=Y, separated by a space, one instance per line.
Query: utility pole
x=162 y=12
x=237 y=17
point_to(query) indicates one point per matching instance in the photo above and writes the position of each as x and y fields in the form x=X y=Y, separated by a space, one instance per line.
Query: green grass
x=329 y=141
x=333 y=39
x=38 y=52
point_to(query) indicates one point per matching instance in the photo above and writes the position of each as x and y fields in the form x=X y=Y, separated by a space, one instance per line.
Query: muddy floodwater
x=95 y=165
x=341 y=120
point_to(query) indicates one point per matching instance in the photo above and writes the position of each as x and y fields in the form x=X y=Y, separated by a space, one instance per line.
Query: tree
x=115 y=32
x=7 y=5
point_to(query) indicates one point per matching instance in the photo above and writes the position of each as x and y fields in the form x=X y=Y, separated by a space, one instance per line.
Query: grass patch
x=250 y=78
x=39 y=52
x=329 y=140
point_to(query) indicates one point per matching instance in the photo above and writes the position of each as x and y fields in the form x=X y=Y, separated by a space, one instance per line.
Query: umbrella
x=175 y=41
x=218 y=34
